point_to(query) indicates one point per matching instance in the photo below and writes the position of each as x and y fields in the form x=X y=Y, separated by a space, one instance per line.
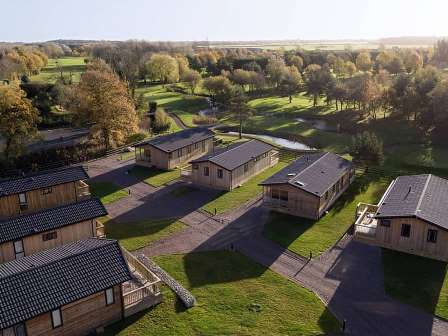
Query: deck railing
x=82 y=190
x=100 y=230
x=140 y=294
x=366 y=224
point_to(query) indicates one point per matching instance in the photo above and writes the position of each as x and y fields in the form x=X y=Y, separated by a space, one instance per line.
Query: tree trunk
x=240 y=133
x=290 y=99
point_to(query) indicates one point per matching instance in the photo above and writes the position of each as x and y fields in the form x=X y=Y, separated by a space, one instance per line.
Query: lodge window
x=203 y=146
x=196 y=145
x=246 y=167
x=432 y=236
x=47 y=191
x=170 y=155
x=195 y=166
x=179 y=152
x=220 y=173
x=206 y=171
x=385 y=222
x=110 y=298
x=326 y=195
x=405 y=230
x=49 y=236
x=279 y=195
x=188 y=149
x=23 y=202
x=56 y=318
x=18 y=249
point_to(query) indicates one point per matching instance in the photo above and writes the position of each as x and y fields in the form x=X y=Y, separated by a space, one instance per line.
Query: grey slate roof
x=43 y=179
x=50 y=219
x=314 y=173
x=421 y=196
x=174 y=141
x=236 y=155
x=48 y=280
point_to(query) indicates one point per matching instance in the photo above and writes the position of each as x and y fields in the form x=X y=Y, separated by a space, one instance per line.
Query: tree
x=162 y=122
x=412 y=60
x=440 y=57
x=317 y=80
x=192 y=79
x=18 y=120
x=163 y=68
x=239 y=107
x=350 y=68
x=241 y=77
x=439 y=99
x=366 y=148
x=363 y=61
x=276 y=70
x=291 y=81
x=102 y=101
x=296 y=61
x=182 y=64
x=219 y=88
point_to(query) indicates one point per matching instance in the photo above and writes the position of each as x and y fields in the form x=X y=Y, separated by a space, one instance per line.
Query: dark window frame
x=50 y=236
x=405 y=230
x=113 y=296
x=246 y=167
x=206 y=171
x=431 y=236
x=60 y=317
x=220 y=173
x=385 y=222
x=21 y=253
x=47 y=191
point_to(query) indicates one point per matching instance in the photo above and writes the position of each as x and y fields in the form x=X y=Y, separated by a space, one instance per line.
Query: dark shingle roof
x=47 y=280
x=42 y=180
x=236 y=155
x=50 y=219
x=174 y=141
x=421 y=196
x=314 y=173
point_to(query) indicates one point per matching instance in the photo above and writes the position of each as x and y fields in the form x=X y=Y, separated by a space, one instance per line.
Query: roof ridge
x=231 y=149
x=417 y=208
x=43 y=172
x=312 y=164
x=109 y=241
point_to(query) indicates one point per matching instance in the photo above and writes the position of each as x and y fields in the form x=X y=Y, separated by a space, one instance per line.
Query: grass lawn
x=155 y=177
x=51 y=73
x=418 y=281
x=185 y=106
x=235 y=297
x=239 y=196
x=107 y=191
x=303 y=236
x=135 y=235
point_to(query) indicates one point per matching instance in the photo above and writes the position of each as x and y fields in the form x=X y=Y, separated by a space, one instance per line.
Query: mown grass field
x=235 y=297
x=107 y=192
x=69 y=65
x=135 y=235
x=155 y=177
x=418 y=281
x=303 y=236
x=185 y=106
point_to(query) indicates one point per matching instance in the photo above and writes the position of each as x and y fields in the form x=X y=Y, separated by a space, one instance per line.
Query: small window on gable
x=385 y=222
x=432 y=236
x=195 y=166
x=47 y=191
x=405 y=230
x=49 y=236
x=56 y=318
x=110 y=299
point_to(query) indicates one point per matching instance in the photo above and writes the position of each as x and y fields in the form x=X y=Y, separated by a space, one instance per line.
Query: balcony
x=100 y=230
x=143 y=290
x=366 y=223
x=82 y=190
x=275 y=157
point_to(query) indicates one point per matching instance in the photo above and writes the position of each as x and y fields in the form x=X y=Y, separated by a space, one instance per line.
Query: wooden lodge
x=309 y=186
x=43 y=230
x=76 y=289
x=42 y=191
x=411 y=217
x=228 y=168
x=174 y=150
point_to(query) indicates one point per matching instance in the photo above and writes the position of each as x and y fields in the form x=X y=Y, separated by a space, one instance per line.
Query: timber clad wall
x=234 y=178
x=152 y=156
x=39 y=199
x=297 y=202
x=80 y=317
x=64 y=235
x=417 y=243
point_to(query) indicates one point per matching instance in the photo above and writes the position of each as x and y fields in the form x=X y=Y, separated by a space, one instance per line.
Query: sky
x=224 y=20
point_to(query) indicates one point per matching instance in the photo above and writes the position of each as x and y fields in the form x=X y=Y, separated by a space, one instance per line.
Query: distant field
x=69 y=65
x=318 y=46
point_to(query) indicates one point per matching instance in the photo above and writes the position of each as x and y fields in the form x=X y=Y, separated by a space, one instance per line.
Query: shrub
x=367 y=148
x=204 y=120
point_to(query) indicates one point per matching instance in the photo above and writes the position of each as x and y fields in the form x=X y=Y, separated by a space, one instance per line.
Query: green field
x=107 y=192
x=135 y=235
x=235 y=297
x=418 y=281
x=155 y=177
x=185 y=106
x=69 y=65
x=303 y=236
